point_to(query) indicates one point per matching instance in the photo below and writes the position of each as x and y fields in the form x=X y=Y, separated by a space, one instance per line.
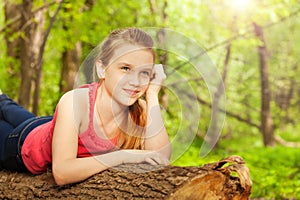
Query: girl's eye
x=125 y=68
x=146 y=73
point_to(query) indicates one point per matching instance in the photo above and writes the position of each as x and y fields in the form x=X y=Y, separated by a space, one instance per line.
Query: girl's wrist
x=107 y=160
x=152 y=100
x=152 y=93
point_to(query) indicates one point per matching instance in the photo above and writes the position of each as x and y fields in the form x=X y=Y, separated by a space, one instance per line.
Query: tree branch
x=236 y=116
x=52 y=20
x=230 y=39
x=40 y=57
x=282 y=142
x=18 y=17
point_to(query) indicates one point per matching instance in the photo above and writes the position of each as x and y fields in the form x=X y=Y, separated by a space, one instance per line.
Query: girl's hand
x=157 y=79
x=139 y=156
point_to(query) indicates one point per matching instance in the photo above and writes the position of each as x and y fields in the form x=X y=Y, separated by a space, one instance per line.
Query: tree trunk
x=11 y=11
x=28 y=46
x=39 y=38
x=12 y=41
x=71 y=62
x=161 y=35
x=71 y=57
x=266 y=116
x=29 y=50
x=138 y=181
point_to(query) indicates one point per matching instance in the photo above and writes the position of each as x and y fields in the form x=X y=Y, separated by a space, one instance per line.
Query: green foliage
x=274 y=171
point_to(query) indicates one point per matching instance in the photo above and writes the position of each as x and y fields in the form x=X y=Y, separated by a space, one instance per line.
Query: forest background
x=251 y=110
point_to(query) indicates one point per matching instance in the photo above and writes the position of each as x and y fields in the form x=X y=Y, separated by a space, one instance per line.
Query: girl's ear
x=100 y=69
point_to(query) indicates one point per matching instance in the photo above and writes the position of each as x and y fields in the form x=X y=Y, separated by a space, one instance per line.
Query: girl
x=103 y=124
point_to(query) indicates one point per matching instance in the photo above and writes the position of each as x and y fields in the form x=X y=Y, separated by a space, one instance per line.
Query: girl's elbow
x=59 y=176
x=59 y=181
x=169 y=152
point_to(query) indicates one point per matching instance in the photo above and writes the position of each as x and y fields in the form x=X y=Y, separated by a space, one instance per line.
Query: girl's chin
x=126 y=100
x=130 y=102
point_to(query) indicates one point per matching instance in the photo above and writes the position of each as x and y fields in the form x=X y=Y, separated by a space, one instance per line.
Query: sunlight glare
x=240 y=4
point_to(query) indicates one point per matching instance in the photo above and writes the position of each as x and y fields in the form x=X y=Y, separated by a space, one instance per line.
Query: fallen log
x=218 y=180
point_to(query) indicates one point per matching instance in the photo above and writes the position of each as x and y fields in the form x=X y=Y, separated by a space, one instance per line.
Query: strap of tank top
x=92 y=98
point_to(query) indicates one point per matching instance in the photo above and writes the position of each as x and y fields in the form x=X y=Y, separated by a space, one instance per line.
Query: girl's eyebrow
x=125 y=63
x=146 y=66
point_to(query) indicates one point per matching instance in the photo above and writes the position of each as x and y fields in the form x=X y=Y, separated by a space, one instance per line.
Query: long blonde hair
x=132 y=136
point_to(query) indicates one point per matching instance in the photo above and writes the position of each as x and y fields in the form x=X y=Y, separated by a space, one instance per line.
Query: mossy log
x=217 y=180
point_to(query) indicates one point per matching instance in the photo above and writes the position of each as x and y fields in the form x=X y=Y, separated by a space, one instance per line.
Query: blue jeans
x=15 y=124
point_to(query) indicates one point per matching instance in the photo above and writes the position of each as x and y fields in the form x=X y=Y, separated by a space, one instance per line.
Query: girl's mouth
x=131 y=92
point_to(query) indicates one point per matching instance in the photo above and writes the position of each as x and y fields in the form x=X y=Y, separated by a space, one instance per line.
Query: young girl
x=100 y=125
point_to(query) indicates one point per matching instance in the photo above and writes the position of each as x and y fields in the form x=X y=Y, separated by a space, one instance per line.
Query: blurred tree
x=84 y=23
x=71 y=55
x=29 y=48
x=12 y=40
x=267 y=128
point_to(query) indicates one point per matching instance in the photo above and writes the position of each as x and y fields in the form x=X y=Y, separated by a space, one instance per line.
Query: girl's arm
x=67 y=168
x=156 y=135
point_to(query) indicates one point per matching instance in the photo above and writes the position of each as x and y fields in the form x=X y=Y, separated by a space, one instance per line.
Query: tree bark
x=70 y=58
x=12 y=41
x=138 y=181
x=40 y=47
x=29 y=50
x=71 y=62
x=27 y=47
x=161 y=36
x=267 y=128
x=11 y=10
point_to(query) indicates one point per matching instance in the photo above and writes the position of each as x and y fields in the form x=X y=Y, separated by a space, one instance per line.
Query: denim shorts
x=11 y=158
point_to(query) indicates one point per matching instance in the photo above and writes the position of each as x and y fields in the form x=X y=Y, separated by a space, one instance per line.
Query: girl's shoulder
x=76 y=95
x=77 y=98
x=76 y=103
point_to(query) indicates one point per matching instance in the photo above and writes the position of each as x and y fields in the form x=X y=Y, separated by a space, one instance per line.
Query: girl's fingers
x=158 y=160
x=150 y=161
x=158 y=73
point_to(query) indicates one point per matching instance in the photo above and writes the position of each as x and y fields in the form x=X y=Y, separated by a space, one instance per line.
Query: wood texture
x=138 y=181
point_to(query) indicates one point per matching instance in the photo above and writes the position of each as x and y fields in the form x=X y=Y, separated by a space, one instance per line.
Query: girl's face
x=128 y=74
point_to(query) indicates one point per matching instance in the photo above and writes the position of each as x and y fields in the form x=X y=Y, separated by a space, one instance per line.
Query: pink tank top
x=37 y=148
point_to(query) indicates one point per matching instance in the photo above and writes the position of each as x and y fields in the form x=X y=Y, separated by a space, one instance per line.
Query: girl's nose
x=134 y=79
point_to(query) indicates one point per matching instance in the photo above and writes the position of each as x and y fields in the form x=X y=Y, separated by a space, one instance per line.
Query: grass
x=275 y=172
